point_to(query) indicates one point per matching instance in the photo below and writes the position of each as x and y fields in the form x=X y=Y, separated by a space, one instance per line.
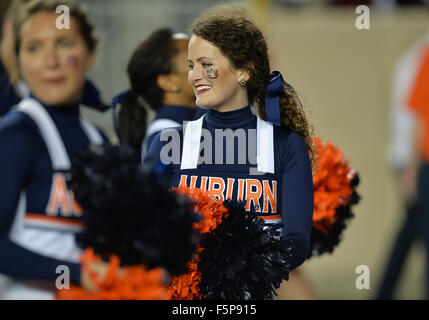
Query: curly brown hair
x=233 y=31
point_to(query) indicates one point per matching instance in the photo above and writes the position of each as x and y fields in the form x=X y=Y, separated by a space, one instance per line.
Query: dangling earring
x=242 y=82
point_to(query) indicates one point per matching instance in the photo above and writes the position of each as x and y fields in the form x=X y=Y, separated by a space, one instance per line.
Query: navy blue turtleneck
x=285 y=195
x=199 y=112
x=26 y=166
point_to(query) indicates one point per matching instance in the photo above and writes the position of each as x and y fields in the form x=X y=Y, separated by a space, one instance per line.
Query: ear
x=166 y=83
x=245 y=72
x=243 y=75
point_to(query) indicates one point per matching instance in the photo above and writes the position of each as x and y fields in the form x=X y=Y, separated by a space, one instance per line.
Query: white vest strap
x=156 y=126
x=91 y=132
x=191 y=144
x=264 y=147
x=48 y=130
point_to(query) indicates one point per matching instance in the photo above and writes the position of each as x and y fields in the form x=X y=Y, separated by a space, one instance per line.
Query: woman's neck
x=230 y=119
x=60 y=104
x=236 y=102
x=174 y=99
x=229 y=108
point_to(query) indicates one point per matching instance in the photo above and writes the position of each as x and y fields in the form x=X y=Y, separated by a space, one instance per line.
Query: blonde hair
x=77 y=11
x=12 y=6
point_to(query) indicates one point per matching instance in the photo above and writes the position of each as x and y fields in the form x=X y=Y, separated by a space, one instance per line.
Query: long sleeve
x=18 y=142
x=297 y=198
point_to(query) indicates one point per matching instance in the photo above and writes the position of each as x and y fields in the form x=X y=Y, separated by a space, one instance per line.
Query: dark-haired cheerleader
x=158 y=76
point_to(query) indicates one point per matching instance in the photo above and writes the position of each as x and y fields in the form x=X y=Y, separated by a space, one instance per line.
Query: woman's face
x=214 y=80
x=53 y=62
x=180 y=72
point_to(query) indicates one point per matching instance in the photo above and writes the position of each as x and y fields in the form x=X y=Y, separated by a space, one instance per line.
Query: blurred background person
x=158 y=74
x=38 y=215
x=409 y=158
x=12 y=87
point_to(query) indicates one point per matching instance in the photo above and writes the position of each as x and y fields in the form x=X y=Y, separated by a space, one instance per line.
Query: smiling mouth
x=202 y=89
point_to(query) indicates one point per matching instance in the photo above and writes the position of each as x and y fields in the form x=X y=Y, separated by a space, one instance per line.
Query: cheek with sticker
x=212 y=73
x=73 y=61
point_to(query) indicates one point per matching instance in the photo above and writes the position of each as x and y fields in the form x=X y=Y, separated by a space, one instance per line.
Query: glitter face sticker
x=212 y=74
x=72 y=61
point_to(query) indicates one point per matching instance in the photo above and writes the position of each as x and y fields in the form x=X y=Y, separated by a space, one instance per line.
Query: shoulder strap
x=48 y=130
x=265 y=146
x=91 y=132
x=191 y=144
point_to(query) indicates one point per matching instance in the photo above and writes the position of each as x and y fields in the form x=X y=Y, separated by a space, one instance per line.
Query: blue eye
x=206 y=65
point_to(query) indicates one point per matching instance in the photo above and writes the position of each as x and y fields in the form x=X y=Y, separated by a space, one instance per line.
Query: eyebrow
x=41 y=39
x=201 y=58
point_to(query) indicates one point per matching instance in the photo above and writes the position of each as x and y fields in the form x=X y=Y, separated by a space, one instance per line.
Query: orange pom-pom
x=127 y=283
x=185 y=286
x=212 y=211
x=332 y=184
x=205 y=204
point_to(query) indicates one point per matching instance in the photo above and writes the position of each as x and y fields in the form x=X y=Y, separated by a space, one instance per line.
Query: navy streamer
x=91 y=97
x=272 y=98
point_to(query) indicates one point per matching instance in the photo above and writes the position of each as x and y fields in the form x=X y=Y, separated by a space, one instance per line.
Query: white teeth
x=201 y=88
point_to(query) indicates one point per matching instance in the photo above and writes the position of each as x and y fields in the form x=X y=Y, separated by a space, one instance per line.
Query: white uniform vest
x=264 y=148
x=55 y=243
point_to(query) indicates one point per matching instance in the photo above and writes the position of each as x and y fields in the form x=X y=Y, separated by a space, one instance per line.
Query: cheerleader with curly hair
x=248 y=105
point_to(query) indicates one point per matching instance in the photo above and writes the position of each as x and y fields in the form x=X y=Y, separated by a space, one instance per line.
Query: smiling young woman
x=229 y=70
x=215 y=80
x=38 y=214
